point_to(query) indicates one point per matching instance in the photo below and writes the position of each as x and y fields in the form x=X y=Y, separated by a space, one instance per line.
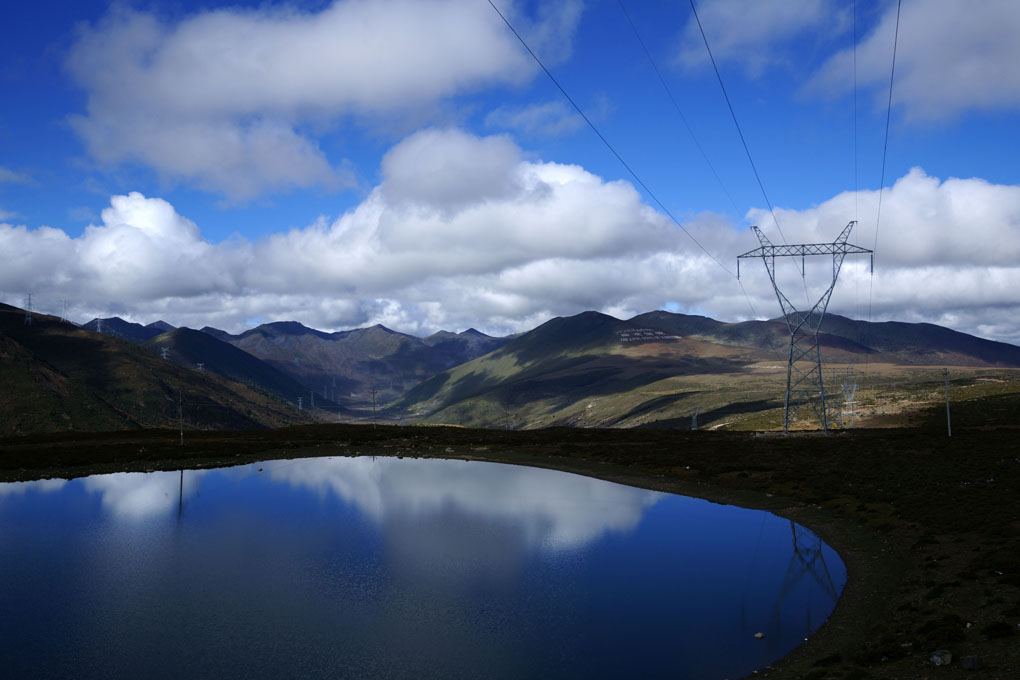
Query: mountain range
x=588 y=369
x=57 y=376
x=347 y=367
x=593 y=369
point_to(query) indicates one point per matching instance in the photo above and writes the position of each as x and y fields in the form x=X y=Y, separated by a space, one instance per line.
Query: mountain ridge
x=566 y=365
x=59 y=377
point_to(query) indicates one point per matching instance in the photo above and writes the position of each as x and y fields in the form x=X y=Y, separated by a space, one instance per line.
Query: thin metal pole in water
x=949 y=426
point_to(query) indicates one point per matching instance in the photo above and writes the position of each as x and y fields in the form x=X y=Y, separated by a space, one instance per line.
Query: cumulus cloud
x=466 y=231
x=224 y=99
x=952 y=56
x=755 y=34
x=947 y=252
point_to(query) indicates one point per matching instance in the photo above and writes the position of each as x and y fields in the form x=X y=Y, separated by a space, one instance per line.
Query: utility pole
x=849 y=387
x=299 y=408
x=949 y=426
x=804 y=386
x=373 y=405
x=28 y=310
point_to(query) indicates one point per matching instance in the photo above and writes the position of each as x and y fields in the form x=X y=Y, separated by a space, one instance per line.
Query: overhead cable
x=609 y=146
x=734 y=116
x=683 y=118
x=885 y=145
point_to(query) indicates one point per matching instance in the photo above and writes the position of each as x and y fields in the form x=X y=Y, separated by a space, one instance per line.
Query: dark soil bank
x=929 y=526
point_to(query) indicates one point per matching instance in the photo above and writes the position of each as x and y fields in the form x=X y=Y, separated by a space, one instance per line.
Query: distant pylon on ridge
x=163 y=352
x=28 y=310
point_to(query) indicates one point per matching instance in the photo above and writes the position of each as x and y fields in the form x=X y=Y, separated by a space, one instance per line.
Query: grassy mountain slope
x=189 y=348
x=911 y=344
x=567 y=371
x=592 y=369
x=57 y=376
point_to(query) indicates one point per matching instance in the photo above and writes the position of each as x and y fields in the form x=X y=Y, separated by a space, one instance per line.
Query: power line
x=856 y=181
x=683 y=118
x=605 y=141
x=885 y=145
x=857 y=278
x=888 y=115
x=734 y=116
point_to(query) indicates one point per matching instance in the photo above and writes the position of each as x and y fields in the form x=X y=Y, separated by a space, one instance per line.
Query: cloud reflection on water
x=44 y=485
x=550 y=509
x=139 y=495
x=546 y=509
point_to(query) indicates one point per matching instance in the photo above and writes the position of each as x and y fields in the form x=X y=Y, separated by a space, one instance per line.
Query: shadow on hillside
x=611 y=376
x=708 y=418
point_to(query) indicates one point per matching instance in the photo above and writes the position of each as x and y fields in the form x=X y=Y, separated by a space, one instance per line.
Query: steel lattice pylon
x=804 y=385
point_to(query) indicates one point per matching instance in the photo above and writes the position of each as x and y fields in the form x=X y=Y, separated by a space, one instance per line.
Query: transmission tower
x=28 y=310
x=164 y=352
x=804 y=384
x=849 y=388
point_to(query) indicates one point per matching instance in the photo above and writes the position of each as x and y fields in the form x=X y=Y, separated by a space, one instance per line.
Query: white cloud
x=463 y=231
x=948 y=252
x=8 y=175
x=952 y=56
x=547 y=119
x=755 y=34
x=223 y=99
x=7 y=214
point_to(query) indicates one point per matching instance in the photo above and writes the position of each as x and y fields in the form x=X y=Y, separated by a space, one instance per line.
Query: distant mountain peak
x=277 y=328
x=127 y=330
x=161 y=326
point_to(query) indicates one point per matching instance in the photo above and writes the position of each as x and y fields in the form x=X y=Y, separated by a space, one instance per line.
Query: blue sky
x=405 y=162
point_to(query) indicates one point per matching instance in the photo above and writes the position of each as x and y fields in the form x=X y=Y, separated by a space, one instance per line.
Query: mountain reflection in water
x=384 y=567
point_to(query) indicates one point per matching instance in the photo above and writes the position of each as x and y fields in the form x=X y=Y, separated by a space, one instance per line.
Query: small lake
x=396 y=568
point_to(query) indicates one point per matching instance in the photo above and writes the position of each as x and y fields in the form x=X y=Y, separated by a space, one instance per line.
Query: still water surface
x=380 y=568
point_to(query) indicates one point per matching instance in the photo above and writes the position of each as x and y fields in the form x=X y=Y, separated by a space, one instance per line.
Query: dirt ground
x=928 y=525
